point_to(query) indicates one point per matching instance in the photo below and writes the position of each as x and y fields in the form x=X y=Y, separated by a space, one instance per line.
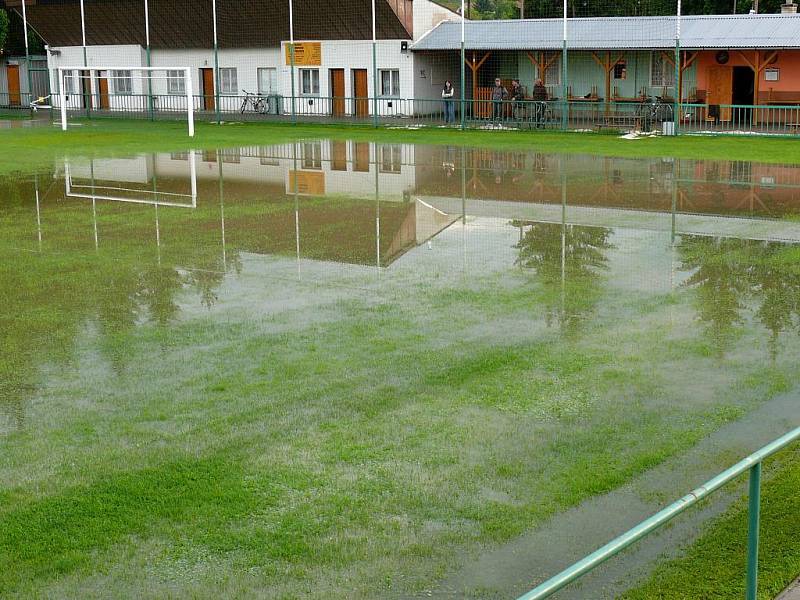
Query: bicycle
x=257 y=103
x=652 y=111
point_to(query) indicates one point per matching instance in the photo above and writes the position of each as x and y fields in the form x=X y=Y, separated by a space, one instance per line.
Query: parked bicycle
x=652 y=111
x=255 y=102
x=534 y=114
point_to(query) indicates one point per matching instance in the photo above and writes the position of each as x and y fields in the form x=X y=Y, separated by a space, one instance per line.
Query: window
x=123 y=84
x=552 y=73
x=228 y=83
x=390 y=82
x=309 y=82
x=620 y=70
x=69 y=82
x=312 y=155
x=391 y=157
x=267 y=81
x=176 y=83
x=662 y=70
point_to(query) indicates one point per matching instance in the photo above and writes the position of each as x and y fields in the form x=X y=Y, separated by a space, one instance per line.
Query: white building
x=332 y=65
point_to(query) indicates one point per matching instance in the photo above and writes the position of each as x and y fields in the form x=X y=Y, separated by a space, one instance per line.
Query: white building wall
x=352 y=55
x=428 y=15
x=121 y=56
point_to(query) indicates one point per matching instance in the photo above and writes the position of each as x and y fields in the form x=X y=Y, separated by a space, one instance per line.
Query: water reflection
x=734 y=280
x=569 y=261
x=112 y=244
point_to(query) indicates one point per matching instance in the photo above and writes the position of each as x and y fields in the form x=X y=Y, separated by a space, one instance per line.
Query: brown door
x=86 y=89
x=720 y=89
x=360 y=92
x=207 y=77
x=361 y=158
x=337 y=92
x=102 y=91
x=339 y=155
x=14 y=98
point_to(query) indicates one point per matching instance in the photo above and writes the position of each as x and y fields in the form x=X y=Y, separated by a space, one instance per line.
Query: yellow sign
x=309 y=183
x=306 y=54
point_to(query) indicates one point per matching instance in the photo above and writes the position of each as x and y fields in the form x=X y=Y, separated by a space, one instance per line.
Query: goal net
x=154 y=91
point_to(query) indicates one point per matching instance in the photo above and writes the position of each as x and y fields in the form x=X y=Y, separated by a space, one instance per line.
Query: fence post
x=462 y=70
x=564 y=85
x=754 y=514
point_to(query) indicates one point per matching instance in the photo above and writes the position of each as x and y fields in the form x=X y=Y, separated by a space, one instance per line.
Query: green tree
x=3 y=29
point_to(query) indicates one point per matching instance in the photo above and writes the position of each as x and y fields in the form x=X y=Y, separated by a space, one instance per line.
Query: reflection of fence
x=752 y=464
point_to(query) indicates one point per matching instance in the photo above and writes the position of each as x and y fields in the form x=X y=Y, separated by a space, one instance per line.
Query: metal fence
x=590 y=65
x=647 y=116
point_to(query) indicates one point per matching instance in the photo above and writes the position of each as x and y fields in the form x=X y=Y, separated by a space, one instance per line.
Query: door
x=360 y=92
x=720 y=89
x=14 y=98
x=338 y=156
x=361 y=157
x=102 y=90
x=337 y=92
x=207 y=77
x=86 y=89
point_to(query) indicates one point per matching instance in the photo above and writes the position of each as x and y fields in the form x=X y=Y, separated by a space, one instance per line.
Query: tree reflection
x=736 y=279
x=569 y=260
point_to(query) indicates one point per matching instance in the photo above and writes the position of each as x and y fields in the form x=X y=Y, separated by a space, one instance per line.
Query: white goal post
x=67 y=74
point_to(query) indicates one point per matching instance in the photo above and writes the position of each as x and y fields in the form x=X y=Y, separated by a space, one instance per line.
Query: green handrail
x=615 y=546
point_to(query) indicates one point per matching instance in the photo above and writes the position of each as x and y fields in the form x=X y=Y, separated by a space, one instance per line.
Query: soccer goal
x=136 y=90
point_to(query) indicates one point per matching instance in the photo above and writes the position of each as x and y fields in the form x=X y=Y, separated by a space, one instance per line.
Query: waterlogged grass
x=26 y=149
x=178 y=425
x=714 y=566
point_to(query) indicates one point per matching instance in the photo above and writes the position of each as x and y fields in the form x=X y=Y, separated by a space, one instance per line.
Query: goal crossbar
x=187 y=74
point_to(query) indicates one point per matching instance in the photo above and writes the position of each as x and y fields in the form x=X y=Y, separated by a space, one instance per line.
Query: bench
x=617 y=121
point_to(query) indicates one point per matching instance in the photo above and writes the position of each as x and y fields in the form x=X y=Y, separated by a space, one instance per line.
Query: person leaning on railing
x=540 y=98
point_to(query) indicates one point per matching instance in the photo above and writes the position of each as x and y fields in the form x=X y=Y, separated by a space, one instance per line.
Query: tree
x=3 y=29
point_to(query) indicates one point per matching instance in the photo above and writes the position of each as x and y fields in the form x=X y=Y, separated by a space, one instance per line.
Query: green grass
x=27 y=148
x=714 y=566
x=172 y=425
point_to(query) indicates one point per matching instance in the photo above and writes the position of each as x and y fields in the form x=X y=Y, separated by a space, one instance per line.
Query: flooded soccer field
x=366 y=369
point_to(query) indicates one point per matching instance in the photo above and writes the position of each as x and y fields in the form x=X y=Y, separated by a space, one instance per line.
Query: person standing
x=448 y=92
x=499 y=94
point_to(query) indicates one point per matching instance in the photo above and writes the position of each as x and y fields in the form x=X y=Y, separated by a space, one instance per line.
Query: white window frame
x=391 y=158
x=123 y=82
x=394 y=82
x=69 y=82
x=229 y=81
x=312 y=155
x=312 y=89
x=273 y=80
x=667 y=71
x=176 y=83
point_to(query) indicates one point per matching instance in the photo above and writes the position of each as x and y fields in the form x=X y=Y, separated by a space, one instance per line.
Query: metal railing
x=751 y=463
x=575 y=114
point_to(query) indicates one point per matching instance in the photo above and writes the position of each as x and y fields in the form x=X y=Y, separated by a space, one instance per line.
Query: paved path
x=792 y=592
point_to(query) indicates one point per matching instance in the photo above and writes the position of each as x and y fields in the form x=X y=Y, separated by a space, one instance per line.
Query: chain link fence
x=589 y=65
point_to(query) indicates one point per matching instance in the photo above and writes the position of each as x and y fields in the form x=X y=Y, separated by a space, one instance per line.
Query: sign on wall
x=306 y=54
x=309 y=183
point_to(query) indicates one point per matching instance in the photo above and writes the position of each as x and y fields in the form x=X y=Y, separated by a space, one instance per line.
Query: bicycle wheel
x=244 y=105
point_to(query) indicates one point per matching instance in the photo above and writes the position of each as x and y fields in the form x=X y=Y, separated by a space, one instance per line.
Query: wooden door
x=361 y=157
x=207 y=77
x=339 y=156
x=361 y=92
x=102 y=91
x=337 y=92
x=86 y=89
x=720 y=89
x=12 y=73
